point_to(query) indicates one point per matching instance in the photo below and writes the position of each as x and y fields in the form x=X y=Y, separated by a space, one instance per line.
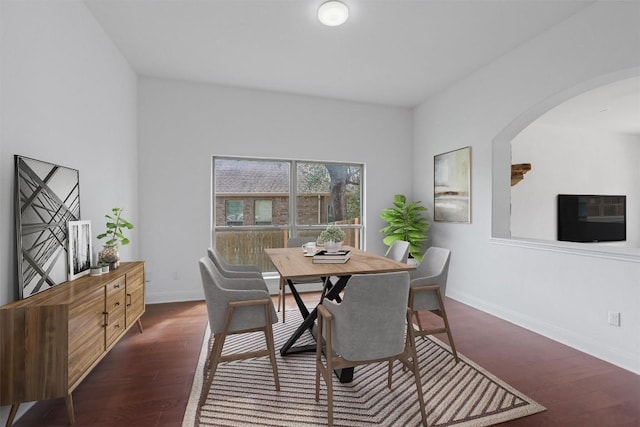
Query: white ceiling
x=393 y=52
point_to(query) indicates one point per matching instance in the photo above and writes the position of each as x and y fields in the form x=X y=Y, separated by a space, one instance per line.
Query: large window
x=259 y=204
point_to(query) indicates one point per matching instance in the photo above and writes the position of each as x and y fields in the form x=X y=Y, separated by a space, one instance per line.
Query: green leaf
x=114 y=228
x=406 y=221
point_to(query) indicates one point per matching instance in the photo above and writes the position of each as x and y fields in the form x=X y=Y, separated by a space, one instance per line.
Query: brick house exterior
x=249 y=182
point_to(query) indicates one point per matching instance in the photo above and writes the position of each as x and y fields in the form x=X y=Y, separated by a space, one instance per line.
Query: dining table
x=294 y=263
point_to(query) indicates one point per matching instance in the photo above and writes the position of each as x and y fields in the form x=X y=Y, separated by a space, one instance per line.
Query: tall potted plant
x=114 y=233
x=406 y=221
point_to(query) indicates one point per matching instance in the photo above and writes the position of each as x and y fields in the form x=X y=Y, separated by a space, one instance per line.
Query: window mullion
x=293 y=194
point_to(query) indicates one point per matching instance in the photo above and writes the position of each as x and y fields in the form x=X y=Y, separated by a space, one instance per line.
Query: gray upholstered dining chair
x=398 y=251
x=371 y=324
x=294 y=242
x=234 y=306
x=428 y=287
x=233 y=270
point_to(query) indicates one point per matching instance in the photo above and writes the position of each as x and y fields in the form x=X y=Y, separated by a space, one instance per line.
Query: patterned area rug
x=243 y=392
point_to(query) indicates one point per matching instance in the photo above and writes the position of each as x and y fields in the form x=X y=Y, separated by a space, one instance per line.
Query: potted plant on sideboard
x=114 y=234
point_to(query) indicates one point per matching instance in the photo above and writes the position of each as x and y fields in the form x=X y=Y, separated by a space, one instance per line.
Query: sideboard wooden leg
x=140 y=326
x=12 y=413
x=68 y=400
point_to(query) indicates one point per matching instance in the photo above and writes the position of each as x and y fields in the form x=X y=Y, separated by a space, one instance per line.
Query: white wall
x=560 y=292
x=572 y=161
x=183 y=124
x=67 y=96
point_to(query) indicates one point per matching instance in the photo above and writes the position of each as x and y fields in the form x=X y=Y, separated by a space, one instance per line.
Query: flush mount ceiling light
x=333 y=13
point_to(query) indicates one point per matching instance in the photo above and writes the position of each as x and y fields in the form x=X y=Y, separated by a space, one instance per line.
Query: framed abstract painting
x=47 y=197
x=79 y=248
x=452 y=186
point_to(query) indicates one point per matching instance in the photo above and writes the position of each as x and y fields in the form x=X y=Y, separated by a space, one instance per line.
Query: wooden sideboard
x=51 y=341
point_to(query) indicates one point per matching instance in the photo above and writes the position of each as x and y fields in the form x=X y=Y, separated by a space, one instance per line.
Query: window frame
x=291 y=228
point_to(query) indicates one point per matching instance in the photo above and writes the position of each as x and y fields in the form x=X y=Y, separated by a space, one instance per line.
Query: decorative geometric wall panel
x=47 y=198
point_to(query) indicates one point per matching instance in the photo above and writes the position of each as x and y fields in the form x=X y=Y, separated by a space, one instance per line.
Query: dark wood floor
x=146 y=379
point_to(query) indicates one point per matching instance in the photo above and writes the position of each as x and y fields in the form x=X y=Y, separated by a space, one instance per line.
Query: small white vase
x=332 y=247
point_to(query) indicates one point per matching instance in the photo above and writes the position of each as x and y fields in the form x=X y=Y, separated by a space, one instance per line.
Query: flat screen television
x=592 y=218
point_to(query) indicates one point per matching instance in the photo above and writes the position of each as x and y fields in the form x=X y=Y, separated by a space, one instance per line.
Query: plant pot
x=110 y=255
x=332 y=247
x=95 y=271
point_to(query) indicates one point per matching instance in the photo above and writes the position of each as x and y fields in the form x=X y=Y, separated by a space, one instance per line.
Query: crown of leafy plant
x=332 y=233
x=115 y=226
x=406 y=222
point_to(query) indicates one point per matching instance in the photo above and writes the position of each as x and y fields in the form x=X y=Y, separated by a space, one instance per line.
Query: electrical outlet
x=614 y=318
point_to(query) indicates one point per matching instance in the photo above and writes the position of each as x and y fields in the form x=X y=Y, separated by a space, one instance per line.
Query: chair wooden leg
x=279 y=293
x=326 y=371
x=281 y=296
x=214 y=359
x=329 y=381
x=319 y=366
x=268 y=335
x=415 y=312
x=317 y=381
x=446 y=324
x=411 y=341
x=442 y=312
x=420 y=328
x=12 y=414
x=216 y=353
x=215 y=356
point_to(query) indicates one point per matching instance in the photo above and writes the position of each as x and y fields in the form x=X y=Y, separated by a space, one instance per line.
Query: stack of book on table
x=324 y=257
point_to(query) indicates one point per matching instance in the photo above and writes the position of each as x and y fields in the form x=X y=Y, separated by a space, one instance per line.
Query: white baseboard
x=582 y=343
x=174 y=296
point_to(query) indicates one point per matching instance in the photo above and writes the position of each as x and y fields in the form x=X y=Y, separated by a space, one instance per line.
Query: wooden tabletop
x=291 y=263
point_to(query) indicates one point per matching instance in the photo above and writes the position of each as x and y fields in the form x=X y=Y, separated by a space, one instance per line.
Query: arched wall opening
x=501 y=163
